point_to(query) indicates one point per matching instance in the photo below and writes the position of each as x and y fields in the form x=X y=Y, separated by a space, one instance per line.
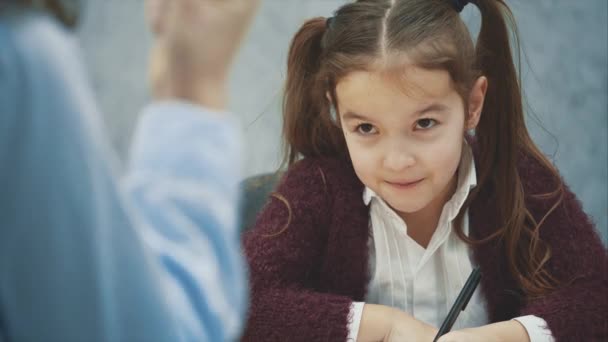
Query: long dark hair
x=432 y=35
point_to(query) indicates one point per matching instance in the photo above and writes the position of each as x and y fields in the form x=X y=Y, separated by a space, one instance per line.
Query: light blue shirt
x=85 y=256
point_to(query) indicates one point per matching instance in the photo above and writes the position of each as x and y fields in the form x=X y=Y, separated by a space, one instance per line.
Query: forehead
x=406 y=84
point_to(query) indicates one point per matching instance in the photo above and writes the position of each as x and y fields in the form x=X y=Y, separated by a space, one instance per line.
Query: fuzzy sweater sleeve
x=284 y=250
x=576 y=311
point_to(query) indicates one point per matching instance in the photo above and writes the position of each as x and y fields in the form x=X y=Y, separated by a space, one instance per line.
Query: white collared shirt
x=425 y=282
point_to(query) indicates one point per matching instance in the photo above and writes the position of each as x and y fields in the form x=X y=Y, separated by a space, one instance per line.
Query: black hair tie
x=459 y=4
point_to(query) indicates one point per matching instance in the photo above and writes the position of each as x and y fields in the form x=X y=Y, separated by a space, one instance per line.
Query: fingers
x=162 y=14
x=155 y=11
x=195 y=42
x=456 y=336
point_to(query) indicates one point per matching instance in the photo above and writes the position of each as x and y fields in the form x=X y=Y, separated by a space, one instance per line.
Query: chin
x=407 y=208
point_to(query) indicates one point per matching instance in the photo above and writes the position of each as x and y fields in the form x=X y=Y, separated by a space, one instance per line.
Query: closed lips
x=404 y=183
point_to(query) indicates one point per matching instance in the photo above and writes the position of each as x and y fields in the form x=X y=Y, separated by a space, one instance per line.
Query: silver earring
x=332 y=113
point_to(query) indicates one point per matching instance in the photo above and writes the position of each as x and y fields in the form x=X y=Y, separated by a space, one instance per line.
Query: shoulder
x=551 y=201
x=40 y=74
x=45 y=75
x=330 y=174
x=536 y=177
x=41 y=54
x=544 y=188
x=542 y=184
x=37 y=38
x=302 y=203
x=325 y=163
x=313 y=186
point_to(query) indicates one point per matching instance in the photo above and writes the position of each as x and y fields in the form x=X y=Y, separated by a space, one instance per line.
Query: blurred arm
x=79 y=260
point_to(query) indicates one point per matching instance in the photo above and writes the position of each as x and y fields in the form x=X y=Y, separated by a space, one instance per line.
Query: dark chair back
x=255 y=190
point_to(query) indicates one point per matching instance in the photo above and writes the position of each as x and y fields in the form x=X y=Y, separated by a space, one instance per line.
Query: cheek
x=364 y=160
x=442 y=154
x=444 y=159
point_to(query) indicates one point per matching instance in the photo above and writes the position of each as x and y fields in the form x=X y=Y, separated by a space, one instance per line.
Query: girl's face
x=405 y=143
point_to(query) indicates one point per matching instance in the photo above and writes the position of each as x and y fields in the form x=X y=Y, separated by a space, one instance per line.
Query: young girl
x=410 y=164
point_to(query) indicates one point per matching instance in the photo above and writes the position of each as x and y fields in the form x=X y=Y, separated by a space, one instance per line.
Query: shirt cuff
x=169 y=133
x=537 y=328
x=182 y=105
x=354 y=321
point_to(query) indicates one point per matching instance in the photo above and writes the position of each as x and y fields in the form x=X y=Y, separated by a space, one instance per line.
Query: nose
x=398 y=158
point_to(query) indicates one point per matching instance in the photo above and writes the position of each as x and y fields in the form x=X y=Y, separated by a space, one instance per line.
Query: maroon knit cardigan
x=309 y=262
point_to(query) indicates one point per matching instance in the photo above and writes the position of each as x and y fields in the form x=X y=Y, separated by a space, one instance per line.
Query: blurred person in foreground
x=84 y=254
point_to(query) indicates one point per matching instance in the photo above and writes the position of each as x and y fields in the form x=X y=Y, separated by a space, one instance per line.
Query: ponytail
x=502 y=118
x=307 y=127
x=502 y=140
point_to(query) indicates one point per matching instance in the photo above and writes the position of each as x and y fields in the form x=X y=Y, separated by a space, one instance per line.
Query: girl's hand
x=466 y=335
x=502 y=331
x=388 y=324
x=407 y=328
x=195 y=43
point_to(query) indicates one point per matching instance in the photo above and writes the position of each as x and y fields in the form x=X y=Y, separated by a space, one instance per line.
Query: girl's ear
x=476 y=99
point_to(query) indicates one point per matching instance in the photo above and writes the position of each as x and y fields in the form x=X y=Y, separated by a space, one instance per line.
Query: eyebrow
x=435 y=107
x=354 y=116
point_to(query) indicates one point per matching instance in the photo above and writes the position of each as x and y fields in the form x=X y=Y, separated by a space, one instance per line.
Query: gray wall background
x=565 y=74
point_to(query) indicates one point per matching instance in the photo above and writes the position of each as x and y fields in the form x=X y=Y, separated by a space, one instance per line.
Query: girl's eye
x=366 y=129
x=425 y=123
